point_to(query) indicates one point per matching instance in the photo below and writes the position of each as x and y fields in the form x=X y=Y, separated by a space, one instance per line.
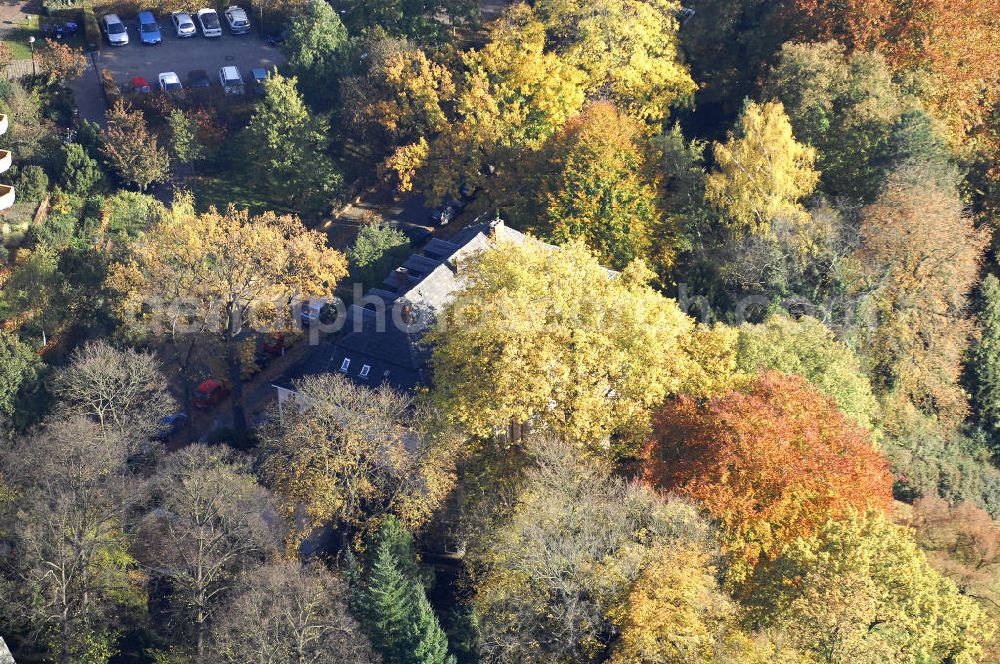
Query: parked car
x=258 y=76
x=149 y=29
x=209 y=21
x=313 y=313
x=198 y=78
x=59 y=30
x=239 y=23
x=183 y=25
x=231 y=80
x=417 y=235
x=140 y=85
x=276 y=38
x=114 y=30
x=209 y=393
x=443 y=214
x=169 y=82
x=169 y=425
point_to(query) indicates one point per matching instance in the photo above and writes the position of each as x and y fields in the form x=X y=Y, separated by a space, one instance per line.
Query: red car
x=209 y=393
x=140 y=85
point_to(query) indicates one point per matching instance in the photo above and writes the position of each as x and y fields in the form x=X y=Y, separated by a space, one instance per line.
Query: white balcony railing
x=3 y=124
x=6 y=196
x=5 y=159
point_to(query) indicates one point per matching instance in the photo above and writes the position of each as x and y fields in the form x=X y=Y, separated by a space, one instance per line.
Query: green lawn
x=17 y=37
x=220 y=191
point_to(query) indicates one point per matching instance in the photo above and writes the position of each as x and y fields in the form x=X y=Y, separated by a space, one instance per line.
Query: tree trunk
x=236 y=385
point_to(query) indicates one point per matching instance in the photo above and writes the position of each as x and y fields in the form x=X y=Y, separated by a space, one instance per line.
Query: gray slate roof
x=420 y=287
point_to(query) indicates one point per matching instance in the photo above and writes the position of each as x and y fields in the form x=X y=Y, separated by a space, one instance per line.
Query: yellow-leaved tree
x=217 y=274
x=860 y=591
x=546 y=336
x=355 y=455
x=629 y=50
x=677 y=613
x=513 y=97
x=762 y=171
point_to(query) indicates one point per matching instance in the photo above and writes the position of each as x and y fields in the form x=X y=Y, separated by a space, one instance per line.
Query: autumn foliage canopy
x=771 y=464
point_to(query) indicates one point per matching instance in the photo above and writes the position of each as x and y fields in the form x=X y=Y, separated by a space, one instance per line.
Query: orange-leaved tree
x=955 y=41
x=771 y=464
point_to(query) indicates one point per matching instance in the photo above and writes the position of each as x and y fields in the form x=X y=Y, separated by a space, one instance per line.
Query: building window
x=364 y=371
x=346 y=363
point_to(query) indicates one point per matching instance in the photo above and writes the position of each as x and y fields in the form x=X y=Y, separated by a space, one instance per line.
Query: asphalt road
x=183 y=55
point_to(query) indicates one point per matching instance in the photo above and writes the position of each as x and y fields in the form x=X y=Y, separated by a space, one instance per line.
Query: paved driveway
x=183 y=55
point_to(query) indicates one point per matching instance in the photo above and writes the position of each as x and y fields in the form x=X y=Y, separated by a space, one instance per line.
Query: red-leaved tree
x=771 y=464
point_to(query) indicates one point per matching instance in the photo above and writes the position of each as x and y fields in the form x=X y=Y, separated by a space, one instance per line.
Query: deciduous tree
x=185 y=147
x=124 y=391
x=289 y=613
x=61 y=61
x=73 y=574
x=376 y=251
x=985 y=360
x=131 y=150
x=215 y=275
x=771 y=464
x=354 y=453
x=859 y=591
x=283 y=136
x=317 y=46
x=629 y=50
x=20 y=382
x=962 y=542
x=595 y=181
x=552 y=572
x=762 y=171
x=548 y=336
x=920 y=254
x=842 y=104
x=209 y=521
x=514 y=96
x=805 y=347
x=955 y=43
x=677 y=613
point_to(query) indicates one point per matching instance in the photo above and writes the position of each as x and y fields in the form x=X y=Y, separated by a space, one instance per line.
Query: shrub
x=31 y=184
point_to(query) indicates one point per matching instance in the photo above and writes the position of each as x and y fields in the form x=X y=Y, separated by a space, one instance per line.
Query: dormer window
x=345 y=364
x=364 y=371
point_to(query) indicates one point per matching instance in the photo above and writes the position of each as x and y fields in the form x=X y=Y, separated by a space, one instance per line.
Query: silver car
x=239 y=23
x=114 y=30
x=183 y=25
x=210 y=26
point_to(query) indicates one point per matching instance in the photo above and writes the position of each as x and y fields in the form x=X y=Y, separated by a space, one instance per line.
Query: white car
x=183 y=25
x=231 y=80
x=237 y=19
x=209 y=20
x=114 y=30
x=169 y=82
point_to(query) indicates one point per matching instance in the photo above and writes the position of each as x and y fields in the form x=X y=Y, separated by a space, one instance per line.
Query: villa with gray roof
x=382 y=342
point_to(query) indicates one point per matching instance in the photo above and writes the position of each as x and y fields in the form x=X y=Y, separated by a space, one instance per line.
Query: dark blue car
x=149 y=29
x=170 y=425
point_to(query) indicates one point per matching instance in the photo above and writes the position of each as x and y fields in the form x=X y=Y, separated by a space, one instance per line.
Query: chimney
x=491 y=232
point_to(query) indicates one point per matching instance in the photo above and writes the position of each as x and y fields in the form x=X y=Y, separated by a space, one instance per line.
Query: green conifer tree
x=387 y=605
x=430 y=643
x=393 y=604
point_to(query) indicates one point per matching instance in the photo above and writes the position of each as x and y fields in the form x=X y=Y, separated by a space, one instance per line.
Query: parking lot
x=183 y=55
